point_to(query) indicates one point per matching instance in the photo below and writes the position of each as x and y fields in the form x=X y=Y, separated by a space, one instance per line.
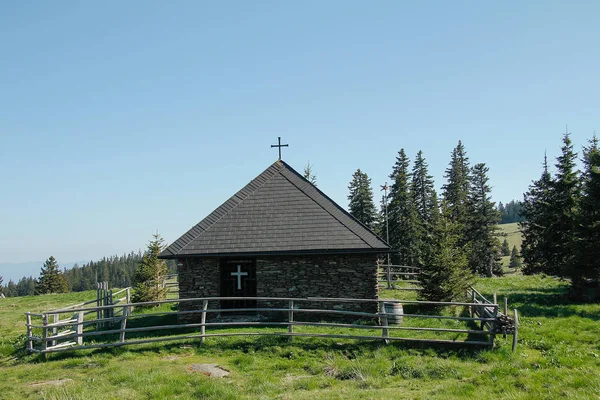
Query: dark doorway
x=238 y=279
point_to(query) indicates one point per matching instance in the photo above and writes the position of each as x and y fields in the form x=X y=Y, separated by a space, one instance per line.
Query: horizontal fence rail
x=116 y=324
x=390 y=275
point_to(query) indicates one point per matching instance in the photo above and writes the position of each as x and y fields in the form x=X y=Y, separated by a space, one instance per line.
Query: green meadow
x=558 y=357
x=513 y=236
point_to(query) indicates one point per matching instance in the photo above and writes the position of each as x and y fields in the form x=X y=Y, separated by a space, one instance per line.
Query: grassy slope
x=513 y=237
x=558 y=357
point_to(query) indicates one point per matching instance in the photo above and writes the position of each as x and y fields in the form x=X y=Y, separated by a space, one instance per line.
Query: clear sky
x=120 y=118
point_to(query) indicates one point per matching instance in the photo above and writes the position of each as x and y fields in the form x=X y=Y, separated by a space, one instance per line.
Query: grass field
x=558 y=356
x=513 y=236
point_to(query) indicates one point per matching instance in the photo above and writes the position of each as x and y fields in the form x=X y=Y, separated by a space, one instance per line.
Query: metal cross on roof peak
x=279 y=145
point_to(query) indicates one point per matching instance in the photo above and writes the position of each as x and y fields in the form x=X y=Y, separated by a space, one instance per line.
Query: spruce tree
x=402 y=216
x=456 y=189
x=309 y=175
x=537 y=201
x=150 y=274
x=586 y=269
x=481 y=225
x=51 y=279
x=445 y=275
x=425 y=203
x=505 y=248
x=515 y=259
x=361 y=204
x=563 y=218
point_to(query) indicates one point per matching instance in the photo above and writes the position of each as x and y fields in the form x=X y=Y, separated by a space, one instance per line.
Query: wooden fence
x=76 y=332
x=503 y=322
x=390 y=275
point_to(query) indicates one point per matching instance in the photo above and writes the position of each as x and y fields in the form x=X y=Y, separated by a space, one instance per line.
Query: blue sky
x=118 y=119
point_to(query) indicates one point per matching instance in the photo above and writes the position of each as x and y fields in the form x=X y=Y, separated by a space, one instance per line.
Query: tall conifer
x=565 y=193
x=537 y=201
x=361 y=204
x=587 y=268
x=481 y=225
x=150 y=273
x=51 y=279
x=424 y=198
x=456 y=189
x=402 y=214
x=444 y=275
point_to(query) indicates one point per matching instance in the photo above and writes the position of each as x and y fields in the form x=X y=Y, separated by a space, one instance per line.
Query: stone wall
x=197 y=278
x=336 y=276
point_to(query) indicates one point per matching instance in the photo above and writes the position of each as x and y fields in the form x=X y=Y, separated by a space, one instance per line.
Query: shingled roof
x=280 y=213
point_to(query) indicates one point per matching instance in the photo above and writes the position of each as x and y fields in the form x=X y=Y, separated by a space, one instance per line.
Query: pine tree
x=424 y=198
x=150 y=274
x=51 y=279
x=456 y=189
x=361 y=204
x=586 y=270
x=402 y=216
x=565 y=193
x=505 y=248
x=537 y=201
x=11 y=289
x=444 y=275
x=515 y=259
x=481 y=225
x=309 y=175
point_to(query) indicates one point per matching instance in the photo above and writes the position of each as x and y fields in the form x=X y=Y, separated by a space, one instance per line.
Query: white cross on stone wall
x=239 y=275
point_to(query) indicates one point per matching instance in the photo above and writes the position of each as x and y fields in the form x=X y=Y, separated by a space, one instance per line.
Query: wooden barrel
x=396 y=311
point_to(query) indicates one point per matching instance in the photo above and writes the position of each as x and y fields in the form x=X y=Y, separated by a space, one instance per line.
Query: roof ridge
x=331 y=202
x=323 y=208
x=238 y=203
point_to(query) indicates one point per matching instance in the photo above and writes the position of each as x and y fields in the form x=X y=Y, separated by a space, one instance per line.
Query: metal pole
x=385 y=188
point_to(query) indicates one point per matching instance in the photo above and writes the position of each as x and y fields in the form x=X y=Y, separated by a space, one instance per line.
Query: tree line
x=118 y=271
x=561 y=231
x=451 y=237
x=511 y=212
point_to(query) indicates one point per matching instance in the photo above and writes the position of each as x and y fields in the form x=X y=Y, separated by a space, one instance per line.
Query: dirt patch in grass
x=211 y=370
x=57 y=382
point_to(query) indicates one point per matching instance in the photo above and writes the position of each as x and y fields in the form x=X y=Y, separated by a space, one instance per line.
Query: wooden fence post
x=384 y=323
x=516 y=334
x=29 y=333
x=98 y=304
x=389 y=276
x=44 y=332
x=124 y=324
x=79 y=328
x=54 y=330
x=493 y=326
x=291 y=320
x=111 y=311
x=203 y=326
x=505 y=311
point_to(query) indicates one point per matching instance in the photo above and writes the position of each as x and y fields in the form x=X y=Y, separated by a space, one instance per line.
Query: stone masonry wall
x=198 y=278
x=337 y=276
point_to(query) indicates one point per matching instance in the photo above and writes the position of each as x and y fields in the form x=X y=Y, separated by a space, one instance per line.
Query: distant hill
x=16 y=271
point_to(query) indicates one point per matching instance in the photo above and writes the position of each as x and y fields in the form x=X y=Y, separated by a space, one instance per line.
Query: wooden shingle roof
x=278 y=212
